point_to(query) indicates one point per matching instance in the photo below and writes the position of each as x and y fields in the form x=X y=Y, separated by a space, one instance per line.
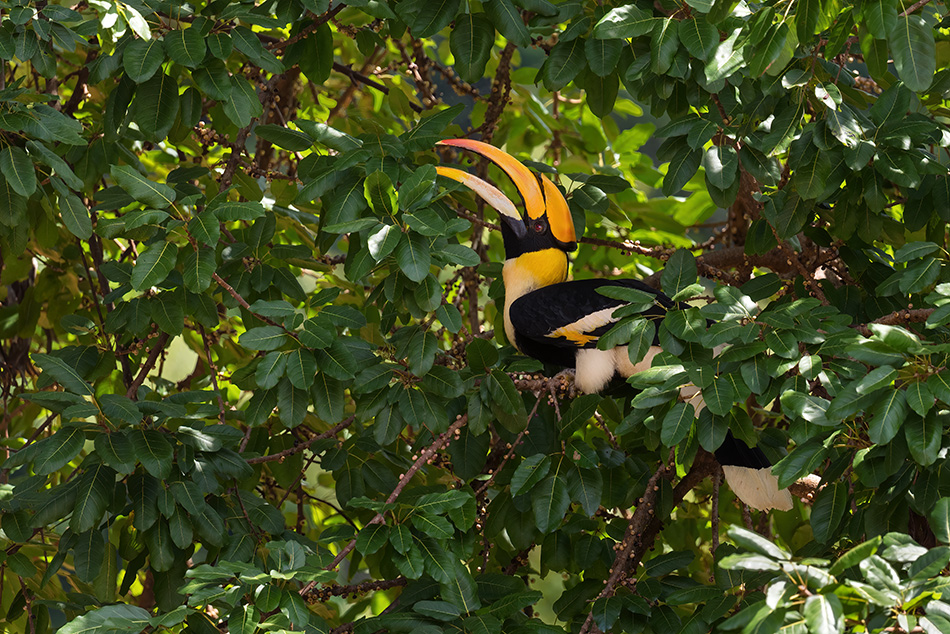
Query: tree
x=253 y=373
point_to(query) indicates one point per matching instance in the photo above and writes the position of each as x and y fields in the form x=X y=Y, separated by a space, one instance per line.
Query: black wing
x=573 y=315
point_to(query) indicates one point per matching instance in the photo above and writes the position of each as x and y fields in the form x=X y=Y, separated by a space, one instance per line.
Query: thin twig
x=913 y=8
x=403 y=481
x=333 y=431
x=147 y=367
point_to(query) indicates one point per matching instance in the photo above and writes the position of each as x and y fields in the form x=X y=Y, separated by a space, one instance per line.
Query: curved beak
x=491 y=194
x=541 y=197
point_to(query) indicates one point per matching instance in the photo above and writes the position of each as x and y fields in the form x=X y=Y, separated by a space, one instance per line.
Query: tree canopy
x=253 y=370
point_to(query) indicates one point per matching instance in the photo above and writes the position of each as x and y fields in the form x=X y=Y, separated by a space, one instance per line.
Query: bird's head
x=546 y=222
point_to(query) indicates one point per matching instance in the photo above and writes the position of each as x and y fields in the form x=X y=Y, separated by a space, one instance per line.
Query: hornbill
x=559 y=322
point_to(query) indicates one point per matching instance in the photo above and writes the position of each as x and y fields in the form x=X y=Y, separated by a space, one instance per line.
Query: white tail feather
x=758 y=488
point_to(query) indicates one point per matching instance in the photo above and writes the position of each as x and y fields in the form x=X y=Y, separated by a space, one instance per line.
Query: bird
x=559 y=322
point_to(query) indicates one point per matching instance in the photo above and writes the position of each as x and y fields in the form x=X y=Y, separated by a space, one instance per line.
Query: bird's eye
x=539 y=226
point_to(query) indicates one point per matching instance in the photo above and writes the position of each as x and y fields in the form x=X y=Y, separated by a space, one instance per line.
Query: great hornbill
x=559 y=322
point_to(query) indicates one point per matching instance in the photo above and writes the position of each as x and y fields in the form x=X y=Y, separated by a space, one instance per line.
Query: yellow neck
x=530 y=271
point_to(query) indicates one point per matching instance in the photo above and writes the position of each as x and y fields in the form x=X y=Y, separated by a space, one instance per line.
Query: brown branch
x=511 y=450
x=913 y=8
x=325 y=593
x=310 y=28
x=644 y=525
x=357 y=76
x=303 y=446
x=147 y=367
x=500 y=90
x=237 y=148
x=213 y=371
x=240 y=300
x=404 y=479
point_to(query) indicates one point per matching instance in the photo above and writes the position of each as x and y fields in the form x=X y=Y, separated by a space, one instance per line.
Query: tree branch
x=403 y=481
x=147 y=366
x=303 y=446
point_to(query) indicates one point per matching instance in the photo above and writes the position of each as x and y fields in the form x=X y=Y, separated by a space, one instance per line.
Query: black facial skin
x=537 y=236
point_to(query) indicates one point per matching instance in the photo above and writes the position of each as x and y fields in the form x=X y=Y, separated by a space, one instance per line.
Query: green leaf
x=586 y=487
x=681 y=168
x=270 y=370
x=721 y=163
x=141 y=189
x=213 y=79
x=529 y=473
x=756 y=543
x=426 y=18
x=95 y=489
x=53 y=160
x=919 y=275
x=438 y=610
x=914 y=49
x=154 y=265
x=676 y=424
x=699 y=37
x=88 y=554
x=263 y=338
x=242 y=103
x=924 y=435
x=229 y=211
x=75 y=216
x=880 y=17
x=205 y=227
x=371 y=538
x=470 y=42
x=168 y=312
x=914 y=250
x=828 y=511
x=727 y=59
x=565 y=61
x=18 y=169
x=115 y=450
x=940 y=520
x=153 y=451
x=328 y=398
x=919 y=397
x=156 y=106
x=719 y=396
x=142 y=58
x=507 y=19
x=380 y=194
x=824 y=614
x=301 y=368
x=663 y=45
x=244 y=620
x=807 y=15
x=603 y=55
x=198 y=267
x=413 y=257
x=58 y=450
x=62 y=373
x=506 y=401
x=185 y=47
x=284 y=137
x=292 y=404
x=811 y=175
x=856 y=555
x=549 y=503
x=624 y=22
x=887 y=415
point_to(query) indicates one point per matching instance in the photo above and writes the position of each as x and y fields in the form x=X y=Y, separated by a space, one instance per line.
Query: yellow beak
x=541 y=197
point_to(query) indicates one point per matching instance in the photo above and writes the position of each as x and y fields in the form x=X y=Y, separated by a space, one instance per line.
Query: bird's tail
x=748 y=471
x=749 y=475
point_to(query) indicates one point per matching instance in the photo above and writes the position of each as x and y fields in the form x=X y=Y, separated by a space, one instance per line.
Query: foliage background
x=253 y=375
